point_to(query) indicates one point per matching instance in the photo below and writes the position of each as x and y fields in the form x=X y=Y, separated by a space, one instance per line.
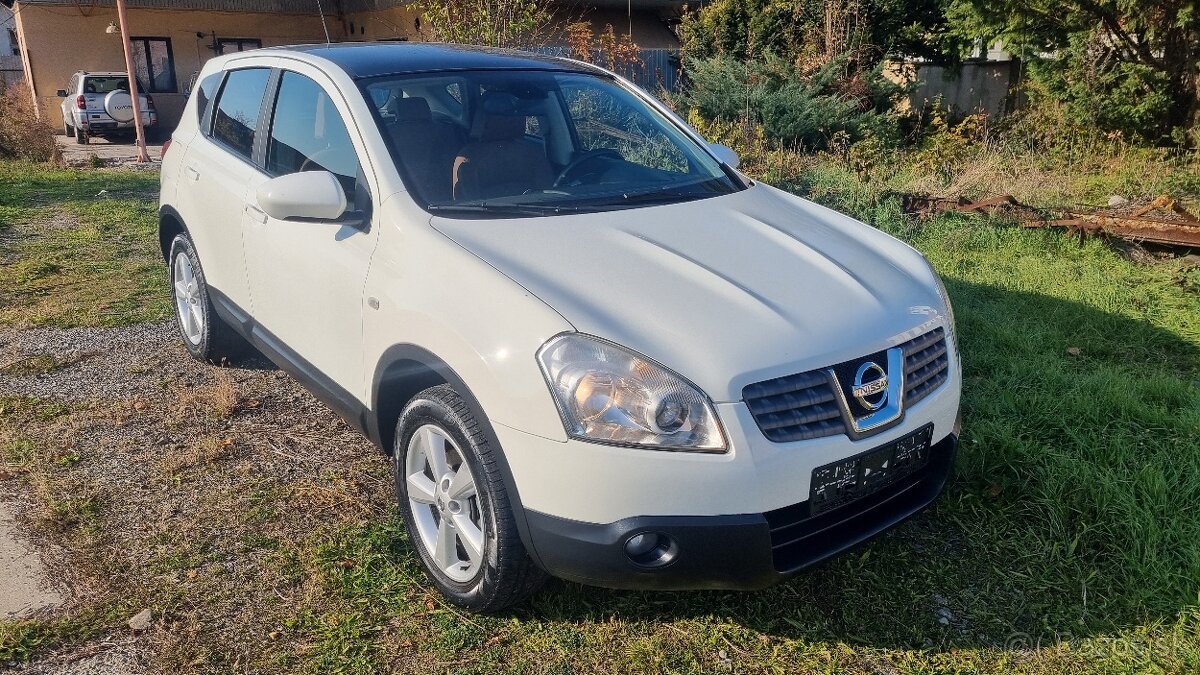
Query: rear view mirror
x=308 y=195
x=725 y=155
x=61 y=93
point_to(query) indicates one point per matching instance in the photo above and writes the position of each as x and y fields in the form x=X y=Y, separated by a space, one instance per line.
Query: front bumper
x=741 y=552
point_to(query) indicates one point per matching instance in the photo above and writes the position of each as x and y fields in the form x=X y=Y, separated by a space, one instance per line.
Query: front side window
x=524 y=143
x=236 y=120
x=154 y=64
x=308 y=134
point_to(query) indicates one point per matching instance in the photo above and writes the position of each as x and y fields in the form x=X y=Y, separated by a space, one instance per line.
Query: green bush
x=835 y=104
x=1123 y=98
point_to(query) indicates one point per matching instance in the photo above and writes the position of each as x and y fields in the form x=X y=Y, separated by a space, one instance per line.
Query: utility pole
x=143 y=156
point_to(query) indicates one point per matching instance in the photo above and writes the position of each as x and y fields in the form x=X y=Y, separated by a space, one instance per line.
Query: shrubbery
x=23 y=135
x=805 y=111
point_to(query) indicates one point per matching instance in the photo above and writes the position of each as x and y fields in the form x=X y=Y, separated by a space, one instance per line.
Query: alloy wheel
x=187 y=299
x=445 y=504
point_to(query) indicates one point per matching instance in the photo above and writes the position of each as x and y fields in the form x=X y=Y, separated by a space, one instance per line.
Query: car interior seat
x=426 y=146
x=500 y=160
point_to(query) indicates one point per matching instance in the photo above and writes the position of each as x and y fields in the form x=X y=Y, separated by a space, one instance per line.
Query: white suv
x=99 y=104
x=591 y=347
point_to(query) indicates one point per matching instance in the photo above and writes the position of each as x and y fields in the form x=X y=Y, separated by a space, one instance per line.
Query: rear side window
x=308 y=133
x=204 y=94
x=236 y=118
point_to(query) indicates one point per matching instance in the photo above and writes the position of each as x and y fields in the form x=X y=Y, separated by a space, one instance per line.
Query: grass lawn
x=1068 y=541
x=86 y=252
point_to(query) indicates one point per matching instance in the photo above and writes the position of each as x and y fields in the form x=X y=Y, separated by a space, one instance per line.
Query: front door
x=307 y=278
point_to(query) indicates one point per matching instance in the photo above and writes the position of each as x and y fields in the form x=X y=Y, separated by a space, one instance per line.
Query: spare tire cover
x=119 y=106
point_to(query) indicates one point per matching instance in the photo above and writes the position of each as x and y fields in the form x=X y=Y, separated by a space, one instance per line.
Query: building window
x=12 y=41
x=231 y=45
x=154 y=63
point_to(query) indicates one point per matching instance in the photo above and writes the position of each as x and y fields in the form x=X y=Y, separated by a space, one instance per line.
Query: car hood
x=726 y=291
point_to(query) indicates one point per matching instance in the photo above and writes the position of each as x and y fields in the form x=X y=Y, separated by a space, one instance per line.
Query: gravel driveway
x=186 y=480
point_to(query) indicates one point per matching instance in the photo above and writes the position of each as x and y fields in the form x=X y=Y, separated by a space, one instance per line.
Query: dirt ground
x=180 y=484
x=114 y=152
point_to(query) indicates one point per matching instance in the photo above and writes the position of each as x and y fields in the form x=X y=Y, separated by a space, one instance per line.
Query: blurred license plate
x=846 y=480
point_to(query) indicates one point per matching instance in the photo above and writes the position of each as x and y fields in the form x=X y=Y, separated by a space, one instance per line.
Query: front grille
x=795 y=407
x=926 y=365
x=802 y=406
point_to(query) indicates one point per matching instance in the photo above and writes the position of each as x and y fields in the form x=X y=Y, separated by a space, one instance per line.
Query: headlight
x=608 y=394
x=941 y=287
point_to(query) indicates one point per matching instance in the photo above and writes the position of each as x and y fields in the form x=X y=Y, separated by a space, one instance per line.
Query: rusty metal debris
x=1161 y=221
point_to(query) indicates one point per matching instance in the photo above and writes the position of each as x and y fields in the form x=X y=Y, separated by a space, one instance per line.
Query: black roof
x=371 y=59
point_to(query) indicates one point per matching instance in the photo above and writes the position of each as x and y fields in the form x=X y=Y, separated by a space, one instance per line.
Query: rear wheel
x=205 y=334
x=67 y=130
x=456 y=507
x=81 y=136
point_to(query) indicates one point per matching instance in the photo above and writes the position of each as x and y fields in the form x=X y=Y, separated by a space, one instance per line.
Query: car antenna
x=323 y=24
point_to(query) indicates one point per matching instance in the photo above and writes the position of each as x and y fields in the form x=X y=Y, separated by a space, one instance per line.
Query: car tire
x=493 y=573
x=68 y=131
x=81 y=136
x=205 y=334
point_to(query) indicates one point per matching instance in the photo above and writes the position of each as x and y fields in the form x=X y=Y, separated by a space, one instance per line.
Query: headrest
x=501 y=117
x=411 y=110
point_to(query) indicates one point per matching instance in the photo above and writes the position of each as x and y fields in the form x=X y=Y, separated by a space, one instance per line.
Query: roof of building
x=371 y=59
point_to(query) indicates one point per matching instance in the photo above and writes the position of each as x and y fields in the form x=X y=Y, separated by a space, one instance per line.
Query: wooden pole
x=142 y=156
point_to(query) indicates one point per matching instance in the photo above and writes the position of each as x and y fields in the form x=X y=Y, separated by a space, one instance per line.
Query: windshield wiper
x=523 y=209
x=664 y=194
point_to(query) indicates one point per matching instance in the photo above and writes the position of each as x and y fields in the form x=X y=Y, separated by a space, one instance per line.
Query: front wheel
x=456 y=506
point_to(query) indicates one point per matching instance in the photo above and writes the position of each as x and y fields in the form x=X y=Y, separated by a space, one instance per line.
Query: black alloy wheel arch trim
x=367 y=420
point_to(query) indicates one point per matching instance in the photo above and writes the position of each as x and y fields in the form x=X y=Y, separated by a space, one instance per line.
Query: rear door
x=216 y=170
x=307 y=278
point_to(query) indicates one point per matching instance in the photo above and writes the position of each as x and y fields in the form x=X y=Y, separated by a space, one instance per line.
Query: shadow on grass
x=1071 y=512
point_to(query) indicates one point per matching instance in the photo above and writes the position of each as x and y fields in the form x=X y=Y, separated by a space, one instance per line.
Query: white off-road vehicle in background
x=99 y=104
x=592 y=348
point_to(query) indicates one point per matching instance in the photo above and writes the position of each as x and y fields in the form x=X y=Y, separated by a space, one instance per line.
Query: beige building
x=172 y=39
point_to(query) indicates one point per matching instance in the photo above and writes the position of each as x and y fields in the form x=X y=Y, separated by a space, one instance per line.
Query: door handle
x=256 y=213
x=192 y=173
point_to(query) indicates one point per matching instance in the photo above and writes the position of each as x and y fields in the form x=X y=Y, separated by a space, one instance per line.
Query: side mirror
x=725 y=154
x=61 y=93
x=308 y=195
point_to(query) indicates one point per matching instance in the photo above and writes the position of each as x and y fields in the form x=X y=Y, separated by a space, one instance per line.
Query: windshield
x=104 y=84
x=523 y=143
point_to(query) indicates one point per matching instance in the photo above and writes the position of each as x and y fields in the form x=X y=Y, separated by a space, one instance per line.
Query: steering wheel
x=589 y=156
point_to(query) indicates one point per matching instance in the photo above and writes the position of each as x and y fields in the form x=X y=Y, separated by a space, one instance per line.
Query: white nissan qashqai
x=592 y=348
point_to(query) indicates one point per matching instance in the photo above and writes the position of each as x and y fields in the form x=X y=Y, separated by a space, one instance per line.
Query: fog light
x=651 y=549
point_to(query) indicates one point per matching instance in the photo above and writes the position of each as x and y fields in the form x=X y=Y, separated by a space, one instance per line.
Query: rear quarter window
x=235 y=121
x=205 y=94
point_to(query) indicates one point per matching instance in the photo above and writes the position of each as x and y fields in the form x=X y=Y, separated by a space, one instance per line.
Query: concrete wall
x=978 y=86
x=60 y=40
x=394 y=23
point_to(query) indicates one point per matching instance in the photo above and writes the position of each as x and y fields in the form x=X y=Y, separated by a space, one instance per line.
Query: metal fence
x=659 y=68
